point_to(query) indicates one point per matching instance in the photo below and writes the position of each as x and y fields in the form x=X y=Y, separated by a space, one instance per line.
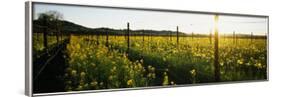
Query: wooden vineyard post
x=233 y=36
x=170 y=36
x=192 y=35
x=177 y=35
x=37 y=36
x=98 y=38
x=224 y=36
x=210 y=36
x=150 y=36
x=128 y=37
x=45 y=40
x=68 y=36
x=142 y=44
x=61 y=35
x=236 y=38
x=216 y=61
x=251 y=37
x=135 y=35
x=61 y=32
x=106 y=43
x=142 y=38
x=57 y=31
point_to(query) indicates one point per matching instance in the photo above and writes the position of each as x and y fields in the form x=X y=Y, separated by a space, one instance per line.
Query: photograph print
x=82 y=48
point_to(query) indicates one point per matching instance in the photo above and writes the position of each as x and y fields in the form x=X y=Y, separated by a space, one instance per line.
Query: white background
x=12 y=48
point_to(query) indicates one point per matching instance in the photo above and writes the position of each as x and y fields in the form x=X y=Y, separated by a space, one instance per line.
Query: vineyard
x=67 y=59
x=154 y=61
x=105 y=62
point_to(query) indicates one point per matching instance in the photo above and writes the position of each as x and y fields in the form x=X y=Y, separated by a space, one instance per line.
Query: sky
x=94 y=17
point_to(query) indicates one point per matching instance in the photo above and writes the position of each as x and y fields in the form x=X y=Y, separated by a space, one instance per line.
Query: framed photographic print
x=83 y=48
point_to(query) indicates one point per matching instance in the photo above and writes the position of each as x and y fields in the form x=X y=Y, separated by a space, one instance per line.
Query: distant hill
x=70 y=27
x=73 y=28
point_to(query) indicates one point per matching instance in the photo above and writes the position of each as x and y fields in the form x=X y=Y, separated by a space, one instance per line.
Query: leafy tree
x=50 y=22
